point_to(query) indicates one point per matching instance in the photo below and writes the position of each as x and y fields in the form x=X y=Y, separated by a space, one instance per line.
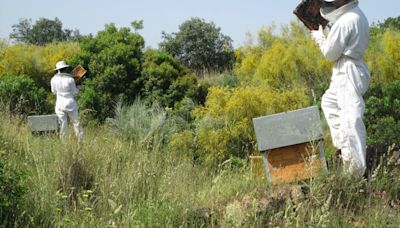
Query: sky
x=236 y=18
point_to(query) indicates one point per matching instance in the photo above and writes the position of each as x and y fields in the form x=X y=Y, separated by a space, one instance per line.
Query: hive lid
x=288 y=128
x=43 y=122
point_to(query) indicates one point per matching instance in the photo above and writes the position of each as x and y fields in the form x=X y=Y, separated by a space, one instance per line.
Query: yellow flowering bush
x=224 y=125
x=35 y=61
x=284 y=61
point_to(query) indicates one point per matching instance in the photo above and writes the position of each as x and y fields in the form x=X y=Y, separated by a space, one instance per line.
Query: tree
x=390 y=23
x=42 y=32
x=200 y=46
x=165 y=81
x=113 y=59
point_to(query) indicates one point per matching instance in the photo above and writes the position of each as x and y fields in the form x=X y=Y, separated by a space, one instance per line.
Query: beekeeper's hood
x=331 y=10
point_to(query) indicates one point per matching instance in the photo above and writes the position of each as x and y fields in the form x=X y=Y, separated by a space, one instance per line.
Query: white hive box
x=41 y=123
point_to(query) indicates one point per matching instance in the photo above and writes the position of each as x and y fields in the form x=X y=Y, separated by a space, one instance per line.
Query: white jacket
x=346 y=44
x=63 y=85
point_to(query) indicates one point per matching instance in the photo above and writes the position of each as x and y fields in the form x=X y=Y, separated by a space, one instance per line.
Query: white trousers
x=343 y=108
x=74 y=117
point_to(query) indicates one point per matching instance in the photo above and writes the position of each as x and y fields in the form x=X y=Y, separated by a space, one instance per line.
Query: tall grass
x=125 y=176
x=113 y=179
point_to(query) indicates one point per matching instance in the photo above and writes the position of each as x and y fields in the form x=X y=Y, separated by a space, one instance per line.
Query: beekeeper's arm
x=53 y=87
x=332 y=47
x=73 y=88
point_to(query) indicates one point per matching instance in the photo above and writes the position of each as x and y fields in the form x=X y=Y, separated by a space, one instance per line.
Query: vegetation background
x=168 y=131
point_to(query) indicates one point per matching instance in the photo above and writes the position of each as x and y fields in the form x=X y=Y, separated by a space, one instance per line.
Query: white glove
x=318 y=35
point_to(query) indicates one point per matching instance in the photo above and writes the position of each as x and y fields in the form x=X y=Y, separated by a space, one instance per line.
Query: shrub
x=382 y=114
x=224 y=126
x=113 y=59
x=20 y=95
x=282 y=61
x=165 y=81
x=37 y=62
x=383 y=57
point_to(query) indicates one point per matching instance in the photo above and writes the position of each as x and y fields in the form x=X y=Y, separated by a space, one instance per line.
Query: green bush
x=165 y=81
x=382 y=114
x=21 y=96
x=113 y=59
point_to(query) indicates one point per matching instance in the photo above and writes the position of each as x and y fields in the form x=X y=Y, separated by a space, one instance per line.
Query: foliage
x=113 y=59
x=389 y=23
x=382 y=114
x=37 y=62
x=12 y=188
x=138 y=122
x=224 y=124
x=44 y=31
x=20 y=95
x=282 y=61
x=200 y=46
x=12 y=191
x=164 y=80
x=383 y=57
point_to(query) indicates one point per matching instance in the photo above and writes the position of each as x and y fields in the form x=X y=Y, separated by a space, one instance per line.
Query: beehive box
x=290 y=143
x=43 y=123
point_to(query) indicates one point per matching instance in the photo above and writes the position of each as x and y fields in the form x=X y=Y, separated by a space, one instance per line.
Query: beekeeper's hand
x=318 y=35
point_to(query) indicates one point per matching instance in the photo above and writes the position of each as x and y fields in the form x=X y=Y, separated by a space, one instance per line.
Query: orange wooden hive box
x=291 y=145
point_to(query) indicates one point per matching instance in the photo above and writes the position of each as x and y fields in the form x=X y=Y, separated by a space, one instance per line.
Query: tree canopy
x=113 y=59
x=42 y=32
x=200 y=46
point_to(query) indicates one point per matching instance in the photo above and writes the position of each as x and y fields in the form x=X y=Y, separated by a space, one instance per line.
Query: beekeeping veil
x=331 y=10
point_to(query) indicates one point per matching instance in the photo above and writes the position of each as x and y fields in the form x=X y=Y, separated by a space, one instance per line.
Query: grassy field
x=113 y=181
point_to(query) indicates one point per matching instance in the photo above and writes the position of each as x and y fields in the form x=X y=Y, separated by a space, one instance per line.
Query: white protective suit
x=63 y=85
x=343 y=103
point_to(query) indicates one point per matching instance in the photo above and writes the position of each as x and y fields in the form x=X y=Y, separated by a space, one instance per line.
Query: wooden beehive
x=290 y=143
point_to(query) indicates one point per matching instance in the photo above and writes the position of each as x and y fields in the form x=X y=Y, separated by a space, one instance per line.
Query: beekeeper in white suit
x=343 y=103
x=64 y=87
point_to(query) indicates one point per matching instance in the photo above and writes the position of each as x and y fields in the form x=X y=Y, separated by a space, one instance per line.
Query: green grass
x=111 y=180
